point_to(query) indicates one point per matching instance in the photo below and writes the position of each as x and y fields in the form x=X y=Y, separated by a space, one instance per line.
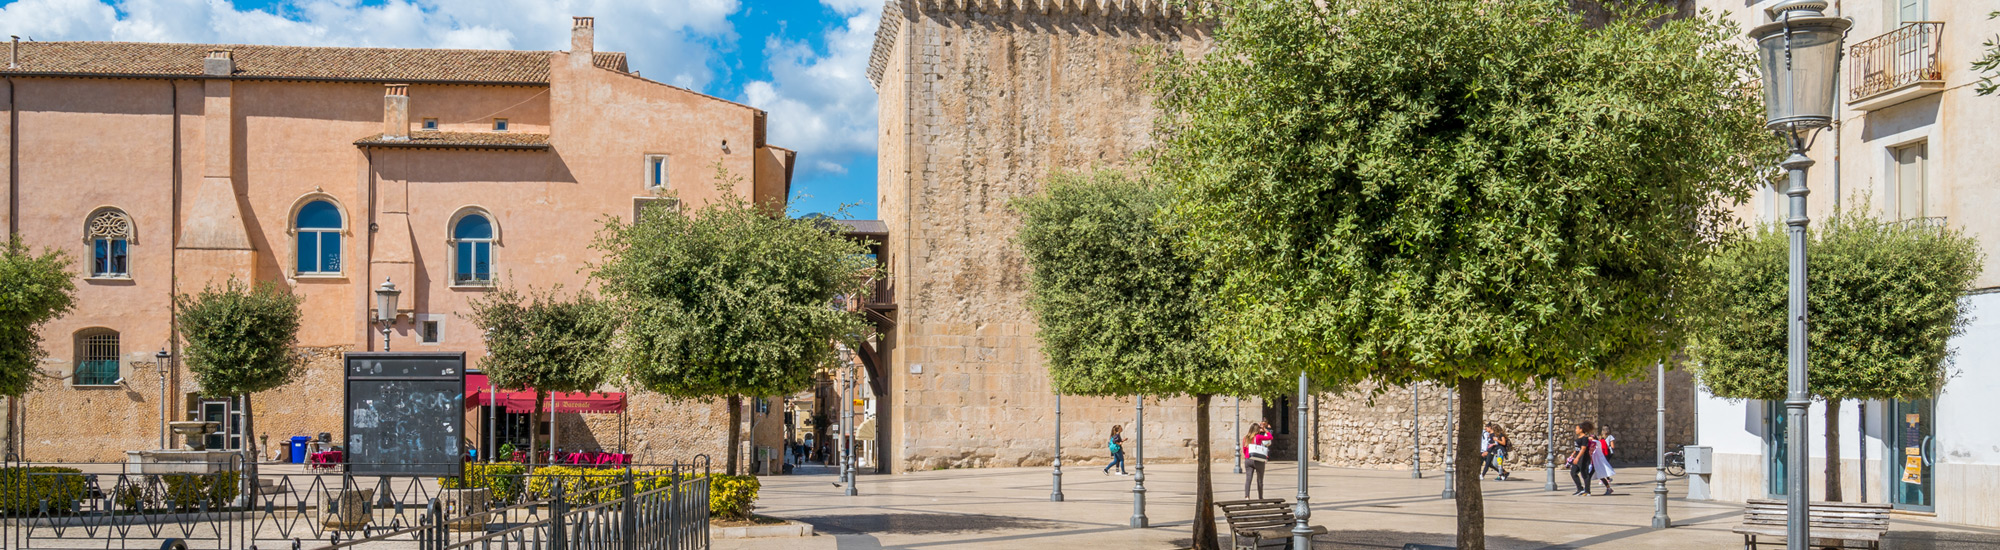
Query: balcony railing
x=1896 y=59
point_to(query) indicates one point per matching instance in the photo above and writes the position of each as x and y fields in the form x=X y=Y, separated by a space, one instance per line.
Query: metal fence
x=109 y=506
x=1897 y=58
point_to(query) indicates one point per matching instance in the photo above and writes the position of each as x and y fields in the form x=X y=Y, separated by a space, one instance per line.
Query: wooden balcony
x=1897 y=66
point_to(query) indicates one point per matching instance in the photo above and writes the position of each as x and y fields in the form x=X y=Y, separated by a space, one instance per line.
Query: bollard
x=557 y=509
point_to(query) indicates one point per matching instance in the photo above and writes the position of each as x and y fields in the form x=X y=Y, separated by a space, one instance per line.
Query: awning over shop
x=477 y=393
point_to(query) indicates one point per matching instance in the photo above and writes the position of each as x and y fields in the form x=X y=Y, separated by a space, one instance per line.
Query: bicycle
x=1676 y=463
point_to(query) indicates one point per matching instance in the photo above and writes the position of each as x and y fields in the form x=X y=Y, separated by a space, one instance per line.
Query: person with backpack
x=1256 y=451
x=1601 y=461
x=1117 y=451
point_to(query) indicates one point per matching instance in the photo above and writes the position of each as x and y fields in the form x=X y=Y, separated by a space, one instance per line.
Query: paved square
x=1364 y=509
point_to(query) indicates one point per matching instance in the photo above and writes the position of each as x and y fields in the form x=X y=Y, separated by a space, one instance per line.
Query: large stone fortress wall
x=980 y=100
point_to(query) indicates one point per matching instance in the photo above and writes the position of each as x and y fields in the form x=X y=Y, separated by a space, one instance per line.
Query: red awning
x=523 y=402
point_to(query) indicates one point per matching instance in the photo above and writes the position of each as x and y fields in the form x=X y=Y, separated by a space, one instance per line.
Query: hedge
x=60 y=491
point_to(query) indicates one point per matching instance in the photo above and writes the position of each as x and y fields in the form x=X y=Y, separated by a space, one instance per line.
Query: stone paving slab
x=1363 y=509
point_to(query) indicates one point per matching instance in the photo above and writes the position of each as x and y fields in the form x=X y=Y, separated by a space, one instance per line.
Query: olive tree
x=34 y=289
x=1121 y=311
x=544 y=341
x=1458 y=191
x=1884 y=300
x=241 y=339
x=729 y=300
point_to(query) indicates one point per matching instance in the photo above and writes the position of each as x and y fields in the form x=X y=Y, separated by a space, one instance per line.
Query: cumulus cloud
x=820 y=101
x=671 y=42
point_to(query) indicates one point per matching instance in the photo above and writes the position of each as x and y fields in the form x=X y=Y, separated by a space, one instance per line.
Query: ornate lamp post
x=1238 y=432
x=1450 y=443
x=1056 y=494
x=1416 y=434
x=1660 y=520
x=385 y=308
x=160 y=366
x=1799 y=53
x=1302 y=533
x=1551 y=485
x=1139 y=466
x=847 y=422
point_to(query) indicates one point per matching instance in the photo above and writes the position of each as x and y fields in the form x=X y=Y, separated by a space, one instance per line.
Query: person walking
x=1256 y=451
x=1493 y=444
x=1600 y=462
x=1117 y=451
x=1580 y=460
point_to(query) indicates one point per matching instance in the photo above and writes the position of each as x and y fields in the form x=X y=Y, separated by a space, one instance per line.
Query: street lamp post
x=1238 y=429
x=160 y=365
x=385 y=308
x=1301 y=532
x=1660 y=520
x=1551 y=485
x=847 y=424
x=1139 y=467
x=1416 y=434
x=1450 y=443
x=1056 y=495
x=1799 y=54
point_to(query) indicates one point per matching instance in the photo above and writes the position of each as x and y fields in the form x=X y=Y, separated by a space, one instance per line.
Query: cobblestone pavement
x=1363 y=509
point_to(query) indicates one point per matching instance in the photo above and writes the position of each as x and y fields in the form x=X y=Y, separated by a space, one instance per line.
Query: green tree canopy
x=1884 y=301
x=1118 y=309
x=543 y=341
x=1121 y=311
x=239 y=338
x=34 y=289
x=730 y=300
x=1458 y=190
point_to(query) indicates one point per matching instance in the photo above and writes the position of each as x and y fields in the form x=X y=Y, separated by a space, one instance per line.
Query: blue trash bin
x=299 y=448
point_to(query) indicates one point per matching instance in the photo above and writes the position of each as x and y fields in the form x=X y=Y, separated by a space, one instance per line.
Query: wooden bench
x=1832 y=524
x=1260 y=523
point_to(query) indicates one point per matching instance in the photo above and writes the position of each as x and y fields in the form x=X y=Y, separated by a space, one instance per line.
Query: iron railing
x=1895 y=59
x=110 y=506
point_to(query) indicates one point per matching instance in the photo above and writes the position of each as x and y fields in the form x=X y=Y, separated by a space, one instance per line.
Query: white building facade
x=1914 y=142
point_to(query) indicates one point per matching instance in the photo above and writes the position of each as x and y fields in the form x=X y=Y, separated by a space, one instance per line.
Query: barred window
x=97 y=358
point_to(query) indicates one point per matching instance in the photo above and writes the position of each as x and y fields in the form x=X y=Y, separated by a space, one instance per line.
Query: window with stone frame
x=96 y=358
x=110 y=234
x=472 y=250
x=318 y=227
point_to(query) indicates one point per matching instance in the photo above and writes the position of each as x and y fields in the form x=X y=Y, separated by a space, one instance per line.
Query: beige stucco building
x=1913 y=143
x=163 y=168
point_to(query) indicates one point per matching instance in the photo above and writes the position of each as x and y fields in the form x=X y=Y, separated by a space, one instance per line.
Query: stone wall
x=978 y=105
x=1361 y=430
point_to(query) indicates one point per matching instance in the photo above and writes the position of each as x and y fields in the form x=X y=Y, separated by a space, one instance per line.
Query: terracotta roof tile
x=460 y=140
x=297 y=62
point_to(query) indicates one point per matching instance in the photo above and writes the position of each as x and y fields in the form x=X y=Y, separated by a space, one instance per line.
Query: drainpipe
x=13 y=229
x=173 y=266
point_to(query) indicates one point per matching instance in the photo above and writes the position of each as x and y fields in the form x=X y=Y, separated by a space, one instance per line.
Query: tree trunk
x=1204 y=488
x=1833 y=450
x=735 y=436
x=250 y=443
x=1471 y=504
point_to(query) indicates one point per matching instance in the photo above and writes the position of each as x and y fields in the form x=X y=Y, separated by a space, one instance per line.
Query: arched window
x=110 y=234
x=96 y=357
x=319 y=226
x=472 y=245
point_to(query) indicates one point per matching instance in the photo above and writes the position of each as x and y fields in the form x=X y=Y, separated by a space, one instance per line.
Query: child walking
x=1117 y=451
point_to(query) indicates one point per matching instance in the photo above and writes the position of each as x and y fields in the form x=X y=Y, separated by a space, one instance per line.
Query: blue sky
x=805 y=61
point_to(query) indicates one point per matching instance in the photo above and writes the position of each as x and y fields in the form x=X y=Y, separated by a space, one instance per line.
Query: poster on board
x=405 y=414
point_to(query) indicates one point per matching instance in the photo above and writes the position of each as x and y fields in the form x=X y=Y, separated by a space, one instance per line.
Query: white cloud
x=821 y=103
x=668 y=41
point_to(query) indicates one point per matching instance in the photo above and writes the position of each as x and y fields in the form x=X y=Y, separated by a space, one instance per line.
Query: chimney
x=581 y=35
x=396 y=113
x=219 y=63
x=14 y=54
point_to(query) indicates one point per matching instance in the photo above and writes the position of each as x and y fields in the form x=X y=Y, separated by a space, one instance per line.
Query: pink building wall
x=201 y=163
